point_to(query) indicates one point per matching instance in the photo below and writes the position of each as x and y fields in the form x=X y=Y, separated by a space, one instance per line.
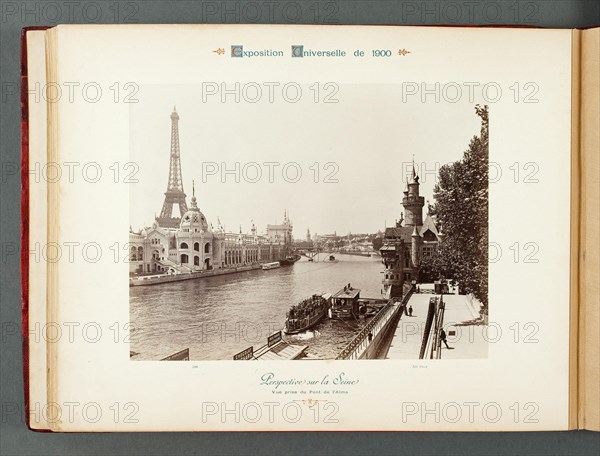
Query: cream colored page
x=522 y=385
x=590 y=155
x=36 y=61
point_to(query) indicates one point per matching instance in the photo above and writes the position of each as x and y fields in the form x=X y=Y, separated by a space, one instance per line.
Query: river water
x=219 y=316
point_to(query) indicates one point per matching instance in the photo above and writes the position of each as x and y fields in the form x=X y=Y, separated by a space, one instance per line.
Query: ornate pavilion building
x=188 y=244
x=409 y=242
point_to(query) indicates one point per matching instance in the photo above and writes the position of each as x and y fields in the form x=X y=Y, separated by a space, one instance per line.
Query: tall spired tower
x=402 y=245
x=174 y=194
x=413 y=203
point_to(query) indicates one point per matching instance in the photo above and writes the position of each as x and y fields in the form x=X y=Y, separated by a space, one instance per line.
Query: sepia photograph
x=264 y=229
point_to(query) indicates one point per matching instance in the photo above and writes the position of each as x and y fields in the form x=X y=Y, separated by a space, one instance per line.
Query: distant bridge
x=310 y=252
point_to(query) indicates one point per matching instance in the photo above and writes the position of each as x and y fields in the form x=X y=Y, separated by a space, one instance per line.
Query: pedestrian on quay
x=443 y=337
x=410 y=309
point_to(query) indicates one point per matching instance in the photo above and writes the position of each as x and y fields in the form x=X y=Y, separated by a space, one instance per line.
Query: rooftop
x=405 y=232
x=401 y=232
x=349 y=293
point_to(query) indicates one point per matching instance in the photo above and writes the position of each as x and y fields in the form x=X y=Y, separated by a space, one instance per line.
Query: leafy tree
x=377 y=243
x=461 y=206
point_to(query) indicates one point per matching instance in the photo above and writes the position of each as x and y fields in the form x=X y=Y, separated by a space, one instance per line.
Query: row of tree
x=461 y=206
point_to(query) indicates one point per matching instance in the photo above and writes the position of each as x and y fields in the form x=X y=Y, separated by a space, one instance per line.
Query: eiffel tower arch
x=174 y=196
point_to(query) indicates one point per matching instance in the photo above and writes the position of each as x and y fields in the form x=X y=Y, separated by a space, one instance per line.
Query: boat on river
x=307 y=313
x=331 y=259
x=344 y=304
x=289 y=260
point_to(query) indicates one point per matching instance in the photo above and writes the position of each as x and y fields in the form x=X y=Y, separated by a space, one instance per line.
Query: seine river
x=219 y=316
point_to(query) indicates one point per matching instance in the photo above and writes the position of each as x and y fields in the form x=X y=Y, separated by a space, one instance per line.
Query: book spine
x=25 y=216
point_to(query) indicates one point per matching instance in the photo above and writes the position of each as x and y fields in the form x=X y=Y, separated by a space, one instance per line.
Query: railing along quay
x=361 y=342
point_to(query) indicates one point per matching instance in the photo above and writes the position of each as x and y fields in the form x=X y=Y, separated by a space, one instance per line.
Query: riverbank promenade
x=465 y=339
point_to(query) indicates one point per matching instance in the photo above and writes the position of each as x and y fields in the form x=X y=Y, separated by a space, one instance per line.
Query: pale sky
x=370 y=135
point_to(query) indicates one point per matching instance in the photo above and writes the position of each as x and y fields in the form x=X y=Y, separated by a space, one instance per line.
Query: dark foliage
x=461 y=206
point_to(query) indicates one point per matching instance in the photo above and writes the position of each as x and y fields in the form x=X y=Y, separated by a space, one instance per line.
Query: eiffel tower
x=174 y=193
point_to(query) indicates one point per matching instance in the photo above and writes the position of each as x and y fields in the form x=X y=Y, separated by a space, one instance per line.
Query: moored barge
x=307 y=313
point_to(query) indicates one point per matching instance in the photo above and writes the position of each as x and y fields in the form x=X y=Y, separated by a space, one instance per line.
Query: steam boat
x=289 y=260
x=345 y=303
x=307 y=313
